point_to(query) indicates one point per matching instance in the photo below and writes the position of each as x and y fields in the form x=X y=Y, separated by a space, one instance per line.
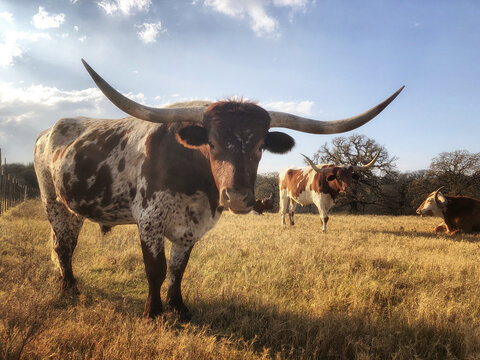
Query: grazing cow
x=264 y=204
x=459 y=213
x=171 y=171
x=319 y=185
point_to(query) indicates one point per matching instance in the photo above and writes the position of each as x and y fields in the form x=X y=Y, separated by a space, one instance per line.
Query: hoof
x=69 y=287
x=152 y=314
x=184 y=316
x=181 y=311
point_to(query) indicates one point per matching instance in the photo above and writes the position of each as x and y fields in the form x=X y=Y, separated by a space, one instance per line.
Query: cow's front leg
x=152 y=231
x=324 y=223
x=441 y=228
x=156 y=269
x=179 y=255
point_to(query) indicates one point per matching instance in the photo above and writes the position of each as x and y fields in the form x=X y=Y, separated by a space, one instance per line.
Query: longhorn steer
x=171 y=171
x=459 y=213
x=263 y=204
x=319 y=185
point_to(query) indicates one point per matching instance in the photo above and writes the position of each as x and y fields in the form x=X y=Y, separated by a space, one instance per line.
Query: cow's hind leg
x=65 y=229
x=179 y=255
x=291 y=214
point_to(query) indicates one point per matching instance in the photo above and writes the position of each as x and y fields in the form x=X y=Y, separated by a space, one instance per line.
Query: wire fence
x=12 y=192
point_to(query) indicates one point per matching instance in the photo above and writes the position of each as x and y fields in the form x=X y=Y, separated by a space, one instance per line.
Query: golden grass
x=373 y=287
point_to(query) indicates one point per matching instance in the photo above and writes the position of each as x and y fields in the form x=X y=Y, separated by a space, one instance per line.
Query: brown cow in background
x=263 y=204
x=459 y=213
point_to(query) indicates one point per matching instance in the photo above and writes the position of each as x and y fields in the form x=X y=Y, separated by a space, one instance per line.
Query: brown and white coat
x=171 y=171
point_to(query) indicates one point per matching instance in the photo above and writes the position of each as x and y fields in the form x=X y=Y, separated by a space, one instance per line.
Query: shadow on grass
x=474 y=237
x=334 y=335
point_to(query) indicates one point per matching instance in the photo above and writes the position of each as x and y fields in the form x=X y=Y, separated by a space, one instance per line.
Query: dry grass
x=374 y=287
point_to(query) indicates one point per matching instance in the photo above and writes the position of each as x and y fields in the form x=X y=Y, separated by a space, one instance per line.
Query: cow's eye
x=211 y=145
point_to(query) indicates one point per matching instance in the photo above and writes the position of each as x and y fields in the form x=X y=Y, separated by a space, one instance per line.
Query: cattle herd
x=173 y=171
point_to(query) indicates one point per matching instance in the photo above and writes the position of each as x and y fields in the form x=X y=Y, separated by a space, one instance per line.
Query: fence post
x=12 y=192
x=1 y=184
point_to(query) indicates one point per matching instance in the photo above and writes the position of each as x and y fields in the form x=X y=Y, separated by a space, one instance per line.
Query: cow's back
x=85 y=163
x=464 y=208
x=296 y=182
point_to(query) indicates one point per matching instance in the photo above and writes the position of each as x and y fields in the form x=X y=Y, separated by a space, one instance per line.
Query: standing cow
x=459 y=213
x=319 y=185
x=171 y=171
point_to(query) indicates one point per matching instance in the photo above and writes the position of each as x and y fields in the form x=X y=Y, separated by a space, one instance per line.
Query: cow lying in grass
x=263 y=204
x=459 y=213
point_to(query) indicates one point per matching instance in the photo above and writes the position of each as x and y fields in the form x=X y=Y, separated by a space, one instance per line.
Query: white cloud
x=10 y=47
x=6 y=16
x=291 y=3
x=27 y=110
x=42 y=20
x=149 y=31
x=73 y=1
x=303 y=108
x=261 y=22
x=75 y=28
x=44 y=95
x=126 y=7
x=83 y=38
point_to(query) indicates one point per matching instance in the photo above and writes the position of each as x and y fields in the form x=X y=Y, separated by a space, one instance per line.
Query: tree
x=266 y=185
x=458 y=171
x=403 y=192
x=358 y=150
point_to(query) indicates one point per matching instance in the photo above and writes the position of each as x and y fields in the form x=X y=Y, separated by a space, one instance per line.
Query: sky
x=322 y=59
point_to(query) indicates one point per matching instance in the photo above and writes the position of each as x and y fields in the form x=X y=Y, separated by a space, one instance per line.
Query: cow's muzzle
x=423 y=212
x=237 y=201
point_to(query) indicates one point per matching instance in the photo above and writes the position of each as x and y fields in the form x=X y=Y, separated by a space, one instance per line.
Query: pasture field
x=373 y=287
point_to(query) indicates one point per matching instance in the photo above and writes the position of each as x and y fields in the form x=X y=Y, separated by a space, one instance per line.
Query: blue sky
x=324 y=59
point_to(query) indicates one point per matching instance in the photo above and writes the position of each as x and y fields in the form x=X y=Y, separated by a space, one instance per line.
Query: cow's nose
x=237 y=200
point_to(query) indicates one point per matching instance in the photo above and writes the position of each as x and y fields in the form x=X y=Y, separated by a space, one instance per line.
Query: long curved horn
x=281 y=119
x=439 y=204
x=367 y=166
x=315 y=167
x=158 y=115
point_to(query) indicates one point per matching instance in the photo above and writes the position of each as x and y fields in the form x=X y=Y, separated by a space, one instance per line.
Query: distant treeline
x=396 y=193
x=381 y=191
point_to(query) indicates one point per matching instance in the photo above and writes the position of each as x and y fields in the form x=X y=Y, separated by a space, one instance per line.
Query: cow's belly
x=116 y=212
x=304 y=198
x=108 y=204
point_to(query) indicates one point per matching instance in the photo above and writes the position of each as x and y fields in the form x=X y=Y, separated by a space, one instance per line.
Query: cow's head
x=340 y=177
x=433 y=205
x=263 y=204
x=235 y=134
x=268 y=203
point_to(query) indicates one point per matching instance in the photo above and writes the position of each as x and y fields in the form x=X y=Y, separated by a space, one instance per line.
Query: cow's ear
x=331 y=177
x=192 y=136
x=278 y=142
